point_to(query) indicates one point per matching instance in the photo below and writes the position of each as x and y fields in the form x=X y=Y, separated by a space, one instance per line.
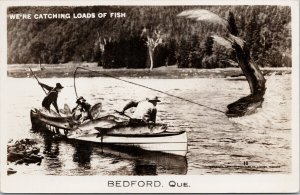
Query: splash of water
x=275 y=112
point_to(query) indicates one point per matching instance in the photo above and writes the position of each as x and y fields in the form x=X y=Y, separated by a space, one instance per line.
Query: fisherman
x=51 y=97
x=82 y=110
x=145 y=111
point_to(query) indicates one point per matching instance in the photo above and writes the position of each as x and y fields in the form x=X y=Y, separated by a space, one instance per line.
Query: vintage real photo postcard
x=149 y=96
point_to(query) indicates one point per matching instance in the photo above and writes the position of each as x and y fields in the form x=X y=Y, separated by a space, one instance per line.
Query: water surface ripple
x=260 y=143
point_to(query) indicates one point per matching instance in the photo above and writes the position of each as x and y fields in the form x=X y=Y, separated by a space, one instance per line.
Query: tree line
x=148 y=36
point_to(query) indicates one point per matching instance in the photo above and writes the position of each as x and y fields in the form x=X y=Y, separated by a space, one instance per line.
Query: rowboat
x=108 y=130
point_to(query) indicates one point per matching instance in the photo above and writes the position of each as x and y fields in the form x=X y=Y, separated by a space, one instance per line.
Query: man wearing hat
x=82 y=110
x=51 y=97
x=145 y=110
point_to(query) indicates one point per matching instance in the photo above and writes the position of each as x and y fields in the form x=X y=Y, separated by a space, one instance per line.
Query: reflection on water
x=82 y=155
x=143 y=162
x=51 y=154
x=145 y=168
x=85 y=155
x=215 y=144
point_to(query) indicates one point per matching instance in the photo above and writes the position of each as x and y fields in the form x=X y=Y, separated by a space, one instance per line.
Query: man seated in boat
x=145 y=111
x=81 y=112
x=51 y=97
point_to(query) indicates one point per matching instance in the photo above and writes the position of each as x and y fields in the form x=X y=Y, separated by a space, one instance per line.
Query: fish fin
x=96 y=110
x=67 y=110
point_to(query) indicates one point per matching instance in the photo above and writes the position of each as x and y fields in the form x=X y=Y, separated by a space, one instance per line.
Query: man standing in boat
x=51 y=97
x=145 y=111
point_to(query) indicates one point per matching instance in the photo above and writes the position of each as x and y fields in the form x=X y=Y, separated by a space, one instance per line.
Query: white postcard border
x=259 y=183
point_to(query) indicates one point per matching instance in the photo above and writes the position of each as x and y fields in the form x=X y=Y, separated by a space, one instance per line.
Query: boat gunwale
x=162 y=134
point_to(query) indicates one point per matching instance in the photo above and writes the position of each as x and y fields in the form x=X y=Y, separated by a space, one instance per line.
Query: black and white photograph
x=150 y=91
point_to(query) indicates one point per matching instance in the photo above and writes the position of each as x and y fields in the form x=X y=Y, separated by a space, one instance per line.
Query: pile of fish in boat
x=113 y=130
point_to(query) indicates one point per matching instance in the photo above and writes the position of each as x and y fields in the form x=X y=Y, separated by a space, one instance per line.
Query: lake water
x=260 y=143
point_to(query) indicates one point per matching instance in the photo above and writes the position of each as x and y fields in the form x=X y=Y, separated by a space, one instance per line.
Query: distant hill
x=118 y=42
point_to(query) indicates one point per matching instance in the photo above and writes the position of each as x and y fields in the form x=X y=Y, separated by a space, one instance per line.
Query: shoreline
x=170 y=72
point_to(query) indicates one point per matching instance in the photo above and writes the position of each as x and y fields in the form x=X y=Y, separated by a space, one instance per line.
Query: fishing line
x=115 y=77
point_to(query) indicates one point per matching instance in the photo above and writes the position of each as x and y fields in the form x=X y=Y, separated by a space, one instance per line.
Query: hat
x=153 y=99
x=59 y=86
x=80 y=98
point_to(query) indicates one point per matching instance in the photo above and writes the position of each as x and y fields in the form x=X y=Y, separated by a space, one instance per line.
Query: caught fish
x=129 y=128
x=106 y=122
x=58 y=121
x=103 y=124
x=96 y=110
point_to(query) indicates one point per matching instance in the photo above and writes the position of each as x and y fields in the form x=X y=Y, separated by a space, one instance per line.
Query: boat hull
x=174 y=143
x=165 y=142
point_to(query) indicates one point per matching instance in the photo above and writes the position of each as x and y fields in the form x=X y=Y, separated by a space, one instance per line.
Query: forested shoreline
x=122 y=42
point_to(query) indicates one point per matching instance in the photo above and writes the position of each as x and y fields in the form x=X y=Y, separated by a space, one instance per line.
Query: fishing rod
x=115 y=77
x=123 y=114
x=37 y=79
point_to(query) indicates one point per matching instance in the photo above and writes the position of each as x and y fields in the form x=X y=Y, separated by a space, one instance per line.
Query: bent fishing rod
x=126 y=81
x=37 y=79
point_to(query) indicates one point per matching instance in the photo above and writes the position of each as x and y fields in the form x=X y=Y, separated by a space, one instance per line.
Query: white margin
x=266 y=183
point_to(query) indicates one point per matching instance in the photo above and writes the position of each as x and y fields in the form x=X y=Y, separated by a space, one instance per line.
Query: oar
x=37 y=80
